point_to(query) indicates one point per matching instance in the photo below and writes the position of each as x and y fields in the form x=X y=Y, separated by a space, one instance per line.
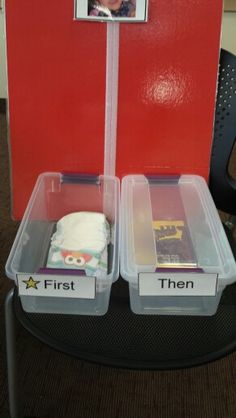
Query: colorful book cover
x=174 y=248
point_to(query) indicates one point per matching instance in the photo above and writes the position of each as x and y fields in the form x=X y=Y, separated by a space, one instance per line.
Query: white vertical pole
x=112 y=70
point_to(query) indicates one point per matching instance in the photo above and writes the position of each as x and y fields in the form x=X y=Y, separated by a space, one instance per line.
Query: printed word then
x=171 y=284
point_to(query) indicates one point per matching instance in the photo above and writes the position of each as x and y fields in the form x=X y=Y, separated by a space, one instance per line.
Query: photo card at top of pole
x=111 y=10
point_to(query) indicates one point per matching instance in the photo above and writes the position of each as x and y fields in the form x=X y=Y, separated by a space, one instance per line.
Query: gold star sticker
x=31 y=283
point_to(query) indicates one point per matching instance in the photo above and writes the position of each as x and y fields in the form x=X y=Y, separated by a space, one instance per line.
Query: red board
x=56 y=71
x=167 y=88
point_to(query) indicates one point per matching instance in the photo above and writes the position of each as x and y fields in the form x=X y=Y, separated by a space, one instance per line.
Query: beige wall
x=228 y=40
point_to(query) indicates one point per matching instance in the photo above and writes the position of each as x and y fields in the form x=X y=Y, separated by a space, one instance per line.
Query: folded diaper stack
x=80 y=242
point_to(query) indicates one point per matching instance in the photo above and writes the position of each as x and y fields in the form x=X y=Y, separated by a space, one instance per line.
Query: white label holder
x=58 y=286
x=177 y=284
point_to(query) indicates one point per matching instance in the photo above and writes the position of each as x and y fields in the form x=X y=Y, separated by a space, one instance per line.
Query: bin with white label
x=71 y=290
x=174 y=251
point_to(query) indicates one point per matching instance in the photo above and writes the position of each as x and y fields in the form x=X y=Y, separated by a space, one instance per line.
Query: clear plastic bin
x=174 y=251
x=54 y=196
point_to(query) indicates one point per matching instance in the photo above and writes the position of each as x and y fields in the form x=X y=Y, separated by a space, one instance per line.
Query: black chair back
x=222 y=184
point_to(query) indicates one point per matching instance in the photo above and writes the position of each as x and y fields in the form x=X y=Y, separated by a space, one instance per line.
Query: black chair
x=222 y=184
x=164 y=342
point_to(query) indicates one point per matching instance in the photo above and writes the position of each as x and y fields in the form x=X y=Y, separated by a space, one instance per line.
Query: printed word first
x=53 y=284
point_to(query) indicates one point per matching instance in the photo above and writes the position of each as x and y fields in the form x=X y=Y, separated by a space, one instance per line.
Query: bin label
x=177 y=284
x=63 y=286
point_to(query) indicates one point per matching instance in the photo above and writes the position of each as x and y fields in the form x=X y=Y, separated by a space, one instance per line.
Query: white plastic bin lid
x=172 y=222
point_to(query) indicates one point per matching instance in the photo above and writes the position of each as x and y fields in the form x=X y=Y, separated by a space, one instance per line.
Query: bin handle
x=162 y=178
x=80 y=178
x=61 y=272
x=179 y=270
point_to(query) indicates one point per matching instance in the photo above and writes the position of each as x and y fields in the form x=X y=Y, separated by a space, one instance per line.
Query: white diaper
x=80 y=242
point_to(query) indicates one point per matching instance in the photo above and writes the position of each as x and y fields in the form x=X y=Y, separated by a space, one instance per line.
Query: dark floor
x=54 y=385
